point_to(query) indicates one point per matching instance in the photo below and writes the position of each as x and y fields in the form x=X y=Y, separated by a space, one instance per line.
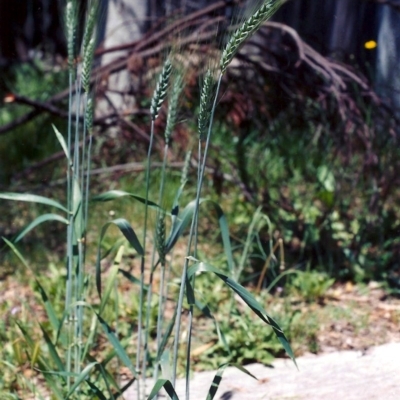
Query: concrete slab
x=344 y=375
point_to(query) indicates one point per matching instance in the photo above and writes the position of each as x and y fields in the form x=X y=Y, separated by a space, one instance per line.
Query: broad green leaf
x=80 y=378
x=218 y=378
x=249 y=299
x=32 y=198
x=120 y=351
x=167 y=385
x=40 y=220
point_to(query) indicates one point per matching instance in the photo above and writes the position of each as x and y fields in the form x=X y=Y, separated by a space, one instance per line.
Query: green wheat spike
x=186 y=166
x=87 y=64
x=90 y=25
x=206 y=101
x=247 y=29
x=160 y=237
x=173 y=107
x=161 y=90
x=89 y=114
x=70 y=19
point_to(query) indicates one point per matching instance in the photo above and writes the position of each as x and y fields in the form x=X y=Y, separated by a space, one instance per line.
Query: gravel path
x=344 y=375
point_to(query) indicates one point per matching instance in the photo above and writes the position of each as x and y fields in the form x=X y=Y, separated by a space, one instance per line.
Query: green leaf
x=129 y=234
x=223 y=224
x=80 y=378
x=107 y=377
x=181 y=223
x=167 y=385
x=43 y=366
x=218 y=378
x=165 y=365
x=62 y=142
x=52 y=350
x=55 y=323
x=221 y=335
x=38 y=221
x=96 y=391
x=326 y=178
x=133 y=279
x=117 y=345
x=77 y=209
x=117 y=194
x=111 y=279
x=249 y=299
x=32 y=198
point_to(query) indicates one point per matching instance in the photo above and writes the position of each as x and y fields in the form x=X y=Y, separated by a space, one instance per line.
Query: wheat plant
x=72 y=368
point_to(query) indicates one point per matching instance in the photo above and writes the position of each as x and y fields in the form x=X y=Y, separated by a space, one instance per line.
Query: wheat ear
x=173 y=106
x=88 y=56
x=90 y=25
x=70 y=22
x=161 y=90
x=247 y=29
x=206 y=101
x=160 y=237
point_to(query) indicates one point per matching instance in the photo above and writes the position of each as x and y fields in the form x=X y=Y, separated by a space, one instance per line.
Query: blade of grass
x=39 y=220
x=52 y=350
x=120 y=351
x=81 y=378
x=111 y=279
x=32 y=198
x=167 y=385
x=129 y=234
x=218 y=378
x=117 y=194
x=55 y=323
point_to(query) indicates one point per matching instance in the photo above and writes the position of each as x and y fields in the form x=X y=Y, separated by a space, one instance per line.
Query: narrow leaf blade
x=32 y=198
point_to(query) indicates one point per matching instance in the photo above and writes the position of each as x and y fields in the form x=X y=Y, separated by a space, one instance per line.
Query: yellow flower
x=370 y=45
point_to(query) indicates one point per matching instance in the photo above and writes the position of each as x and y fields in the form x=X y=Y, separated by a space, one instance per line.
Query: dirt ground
x=367 y=317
